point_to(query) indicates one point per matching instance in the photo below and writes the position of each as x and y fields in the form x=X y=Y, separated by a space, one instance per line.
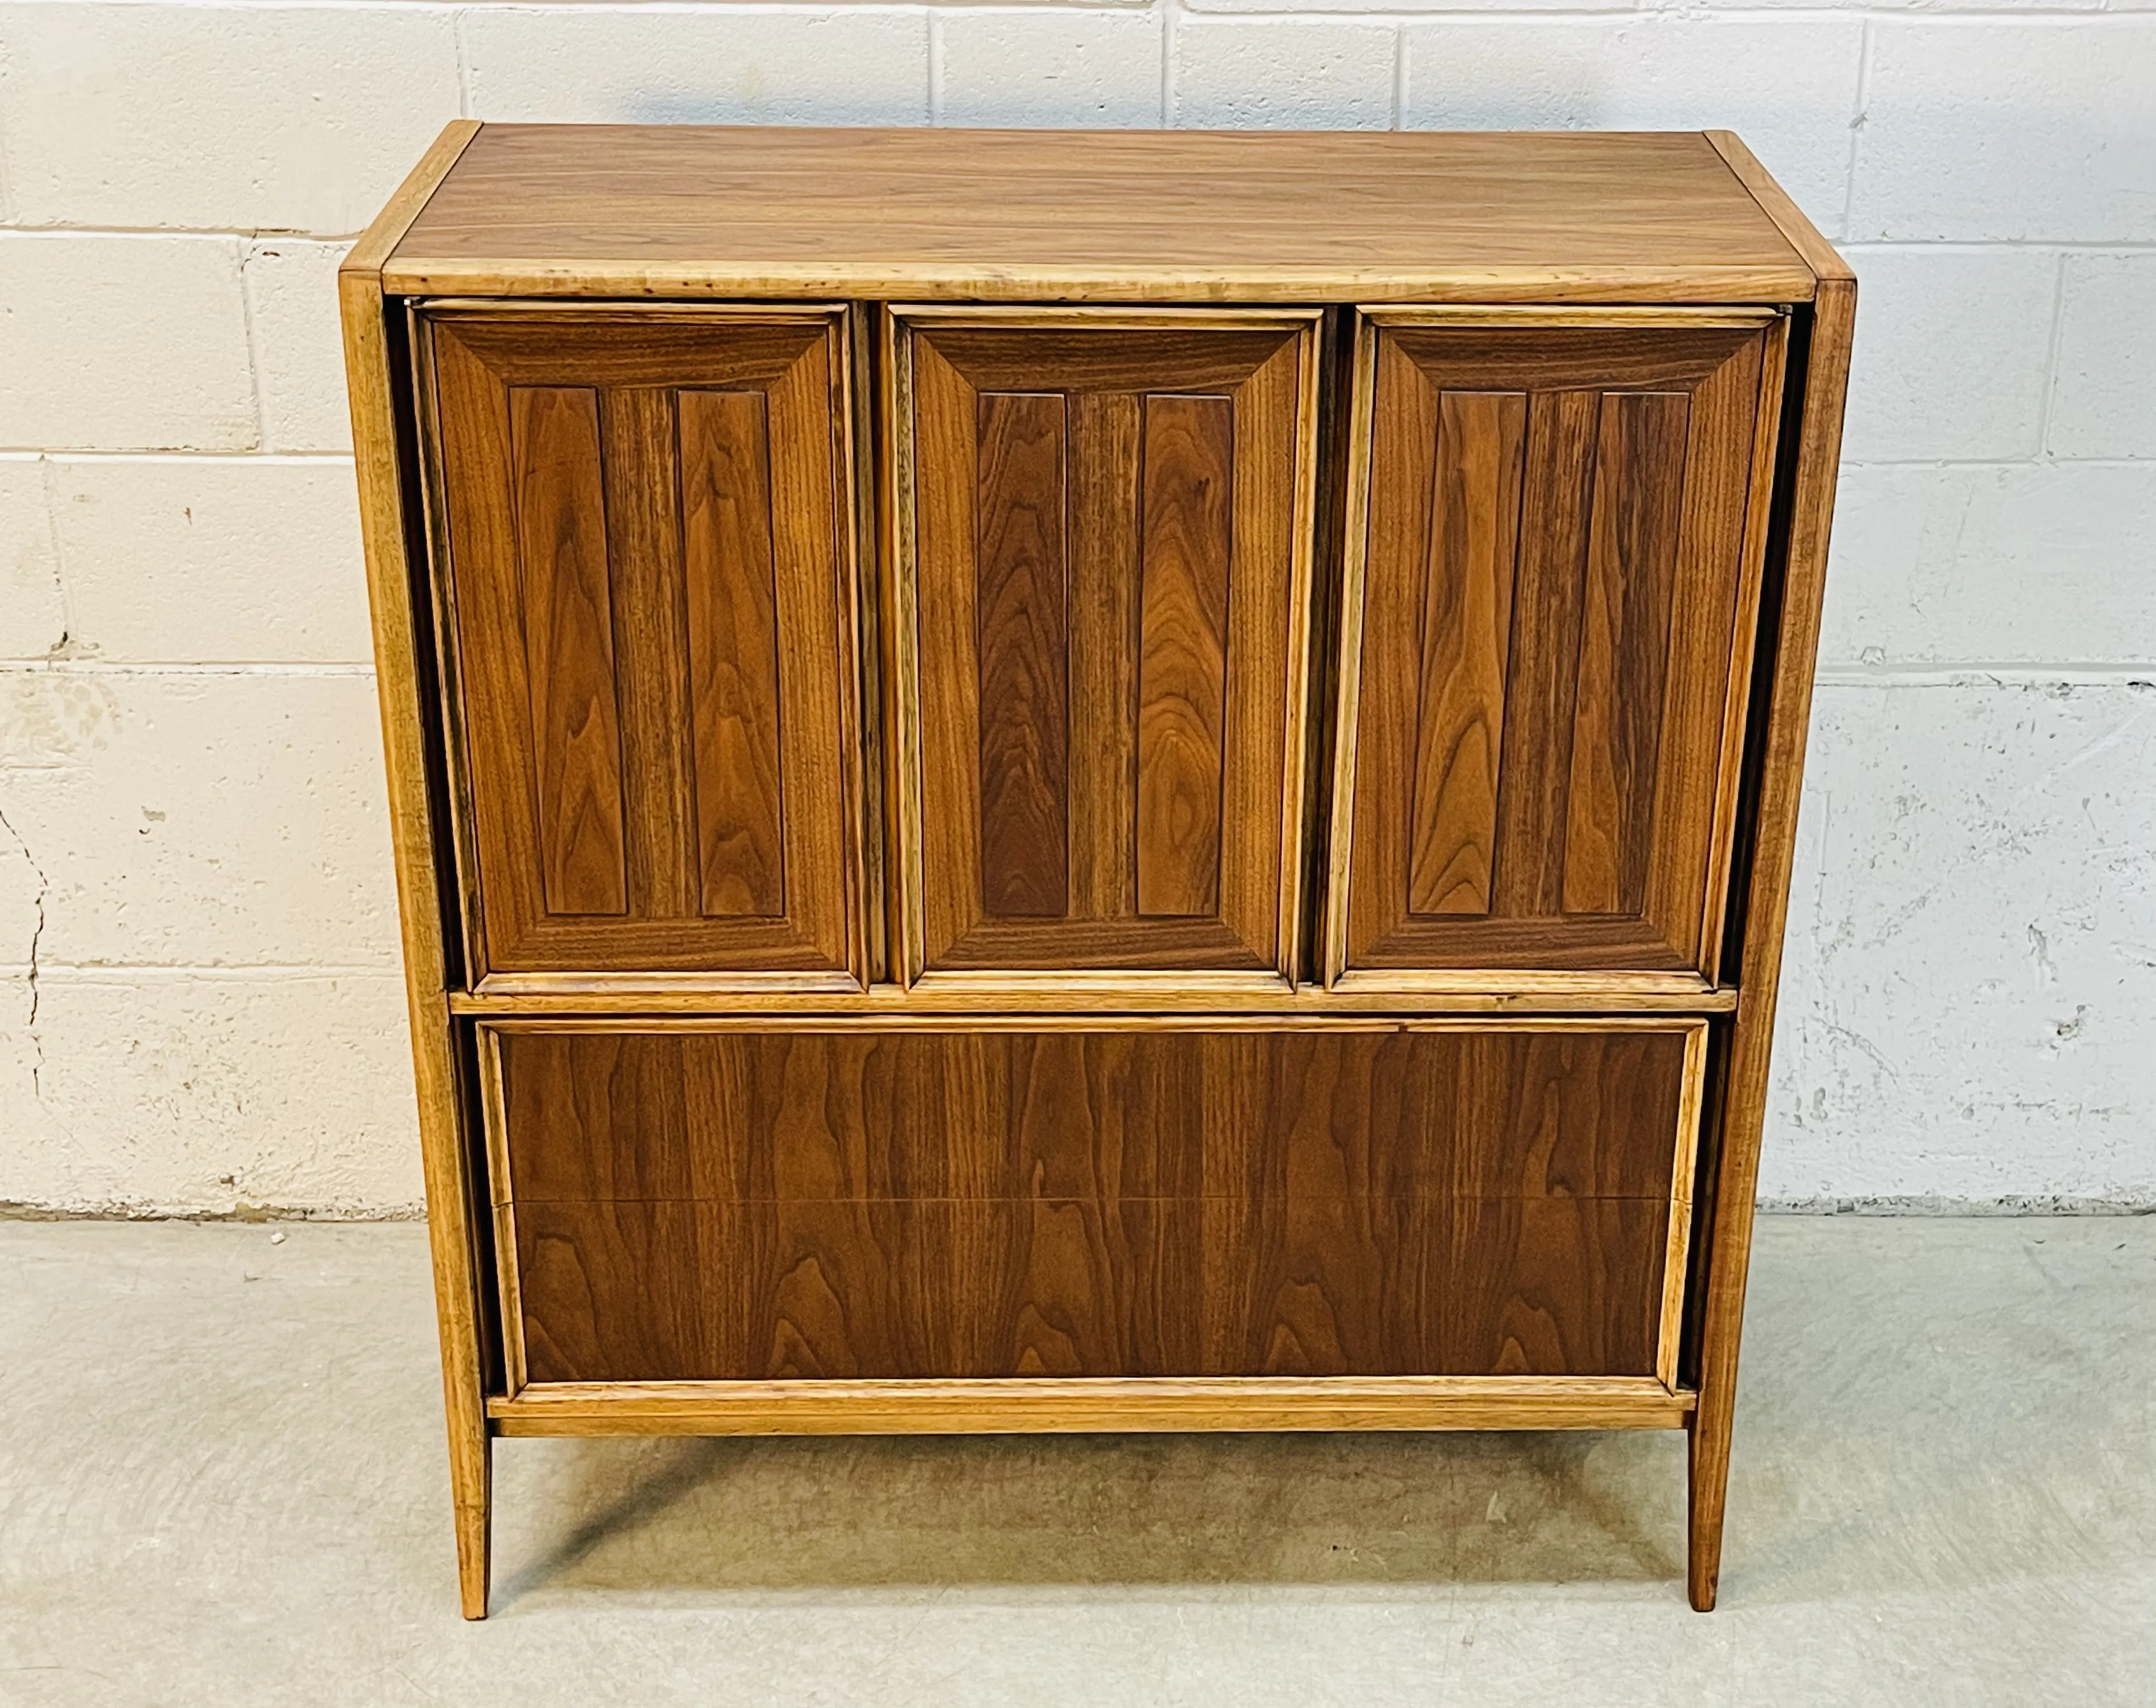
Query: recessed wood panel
x=1627 y=601
x=1466 y=632
x=1350 y=1200
x=1545 y=651
x=568 y=646
x=1187 y=518
x=733 y=651
x=1102 y=538
x=646 y=522
x=1023 y=648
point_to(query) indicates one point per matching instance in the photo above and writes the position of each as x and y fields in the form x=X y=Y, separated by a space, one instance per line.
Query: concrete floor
x=222 y=1481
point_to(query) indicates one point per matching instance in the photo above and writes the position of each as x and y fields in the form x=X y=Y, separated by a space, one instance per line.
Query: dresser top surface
x=1105 y=215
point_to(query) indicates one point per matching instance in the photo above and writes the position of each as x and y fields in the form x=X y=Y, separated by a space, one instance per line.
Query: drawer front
x=650 y=584
x=1555 y=540
x=1102 y=592
x=723 y=1200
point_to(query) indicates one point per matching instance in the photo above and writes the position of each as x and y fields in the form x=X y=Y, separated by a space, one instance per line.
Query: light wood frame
x=416 y=845
x=1781 y=719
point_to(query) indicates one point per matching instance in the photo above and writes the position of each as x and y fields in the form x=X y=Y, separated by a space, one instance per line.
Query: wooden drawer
x=753 y=1200
x=1102 y=592
x=1556 y=530
x=648 y=533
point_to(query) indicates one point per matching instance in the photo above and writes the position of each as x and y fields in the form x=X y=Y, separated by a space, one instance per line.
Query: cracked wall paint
x=1969 y=1001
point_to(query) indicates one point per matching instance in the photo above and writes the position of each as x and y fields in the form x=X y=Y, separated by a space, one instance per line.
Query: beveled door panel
x=650 y=581
x=1555 y=539
x=1101 y=597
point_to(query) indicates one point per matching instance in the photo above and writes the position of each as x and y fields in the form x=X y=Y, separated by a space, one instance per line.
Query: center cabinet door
x=647 y=521
x=1555 y=538
x=1101 y=596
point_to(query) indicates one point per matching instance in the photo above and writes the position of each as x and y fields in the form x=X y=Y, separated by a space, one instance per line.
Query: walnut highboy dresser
x=1089 y=781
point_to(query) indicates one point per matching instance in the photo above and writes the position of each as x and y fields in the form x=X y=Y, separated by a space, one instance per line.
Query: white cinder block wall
x=199 y=1006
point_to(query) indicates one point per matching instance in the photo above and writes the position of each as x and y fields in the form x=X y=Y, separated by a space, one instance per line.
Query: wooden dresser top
x=1098 y=216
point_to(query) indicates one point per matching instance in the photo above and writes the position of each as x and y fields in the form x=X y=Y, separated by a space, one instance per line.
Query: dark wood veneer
x=1364 y=1201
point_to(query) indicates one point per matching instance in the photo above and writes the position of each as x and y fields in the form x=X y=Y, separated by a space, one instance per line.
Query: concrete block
x=720 y=66
x=2103 y=403
x=1964 y=1009
x=123 y=343
x=1952 y=348
x=206 y=117
x=2014 y=565
x=1469 y=7
x=1050 y=67
x=298 y=345
x=32 y=613
x=1283 y=73
x=202 y=820
x=1919 y=8
x=2027 y=129
x=189 y=1094
x=212 y=560
x=1788 y=86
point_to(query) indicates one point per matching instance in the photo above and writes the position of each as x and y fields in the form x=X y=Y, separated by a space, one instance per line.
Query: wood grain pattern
x=1186 y=523
x=1628 y=602
x=566 y=602
x=1089 y=1405
x=1589 y=653
x=1778 y=205
x=1788 y=651
x=399 y=612
x=684 y=499
x=1096 y=217
x=933 y=1204
x=1465 y=647
x=1074 y=994
x=1241 y=1175
x=1184 y=487
x=1023 y=647
x=725 y=455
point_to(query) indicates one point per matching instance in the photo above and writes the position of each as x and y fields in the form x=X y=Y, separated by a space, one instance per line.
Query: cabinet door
x=651 y=575
x=1102 y=584
x=1552 y=575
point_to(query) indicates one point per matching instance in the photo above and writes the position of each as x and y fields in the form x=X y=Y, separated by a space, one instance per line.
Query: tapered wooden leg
x=472 y=1472
x=1707 y=1465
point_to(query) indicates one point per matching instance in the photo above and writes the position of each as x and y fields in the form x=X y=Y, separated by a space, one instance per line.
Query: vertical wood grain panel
x=1466 y=637
x=1186 y=513
x=568 y=638
x=651 y=663
x=1538 y=756
x=1023 y=648
x=1106 y=430
x=1624 y=649
x=733 y=651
